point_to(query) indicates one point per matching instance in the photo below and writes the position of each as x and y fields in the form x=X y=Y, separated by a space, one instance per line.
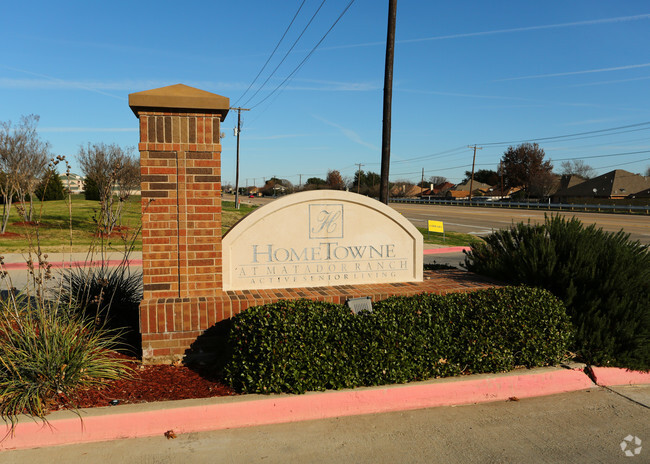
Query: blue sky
x=466 y=72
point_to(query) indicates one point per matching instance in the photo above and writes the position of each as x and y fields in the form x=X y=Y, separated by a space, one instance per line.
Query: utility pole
x=359 y=178
x=422 y=184
x=388 y=100
x=471 y=182
x=237 y=131
x=501 y=169
x=299 y=181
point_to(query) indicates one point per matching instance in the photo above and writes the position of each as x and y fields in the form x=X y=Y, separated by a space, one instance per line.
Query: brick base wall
x=170 y=325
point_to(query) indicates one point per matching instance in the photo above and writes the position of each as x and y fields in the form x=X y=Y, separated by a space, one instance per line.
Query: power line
x=557 y=137
x=286 y=79
x=622 y=164
x=286 y=54
x=273 y=52
x=602 y=156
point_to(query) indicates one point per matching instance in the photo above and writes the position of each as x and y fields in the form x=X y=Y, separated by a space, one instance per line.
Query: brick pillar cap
x=179 y=98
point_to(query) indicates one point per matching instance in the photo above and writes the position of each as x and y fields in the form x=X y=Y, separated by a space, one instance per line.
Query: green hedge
x=603 y=278
x=296 y=346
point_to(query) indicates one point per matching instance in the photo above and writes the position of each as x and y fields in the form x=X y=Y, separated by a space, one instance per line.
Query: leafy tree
x=275 y=186
x=91 y=191
x=334 y=180
x=523 y=164
x=315 y=183
x=366 y=183
x=50 y=187
x=485 y=176
x=578 y=168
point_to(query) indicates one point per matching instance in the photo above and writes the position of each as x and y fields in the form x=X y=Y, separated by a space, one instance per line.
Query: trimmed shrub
x=603 y=278
x=295 y=346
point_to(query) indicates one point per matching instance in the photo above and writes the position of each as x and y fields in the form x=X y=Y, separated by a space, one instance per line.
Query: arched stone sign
x=321 y=238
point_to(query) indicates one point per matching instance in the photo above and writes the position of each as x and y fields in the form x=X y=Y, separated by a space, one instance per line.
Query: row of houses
x=614 y=185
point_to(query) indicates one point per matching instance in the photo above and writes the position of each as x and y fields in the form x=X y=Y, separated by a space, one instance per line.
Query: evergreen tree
x=91 y=189
x=51 y=187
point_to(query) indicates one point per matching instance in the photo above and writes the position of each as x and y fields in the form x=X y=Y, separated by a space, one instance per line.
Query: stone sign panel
x=321 y=238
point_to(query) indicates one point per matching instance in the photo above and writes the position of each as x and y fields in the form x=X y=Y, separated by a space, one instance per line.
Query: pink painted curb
x=75 y=264
x=132 y=421
x=438 y=251
x=609 y=376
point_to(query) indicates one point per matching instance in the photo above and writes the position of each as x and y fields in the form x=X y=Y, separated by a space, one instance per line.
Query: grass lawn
x=450 y=239
x=54 y=235
x=54 y=231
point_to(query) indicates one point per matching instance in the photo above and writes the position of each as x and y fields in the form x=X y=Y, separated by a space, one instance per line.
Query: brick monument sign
x=325 y=245
x=180 y=162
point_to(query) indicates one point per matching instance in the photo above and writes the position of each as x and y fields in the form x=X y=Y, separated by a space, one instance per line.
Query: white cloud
x=574 y=73
x=87 y=129
x=350 y=134
x=503 y=31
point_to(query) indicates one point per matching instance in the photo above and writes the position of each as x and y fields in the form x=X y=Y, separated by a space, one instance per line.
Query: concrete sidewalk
x=187 y=416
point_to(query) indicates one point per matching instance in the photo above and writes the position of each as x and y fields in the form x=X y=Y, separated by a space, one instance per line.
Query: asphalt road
x=483 y=220
x=587 y=426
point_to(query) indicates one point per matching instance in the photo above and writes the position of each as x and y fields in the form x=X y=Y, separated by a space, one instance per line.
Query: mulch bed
x=147 y=384
x=118 y=231
x=10 y=235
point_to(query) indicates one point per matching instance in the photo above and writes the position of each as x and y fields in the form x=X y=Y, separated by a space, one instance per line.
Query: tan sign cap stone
x=179 y=97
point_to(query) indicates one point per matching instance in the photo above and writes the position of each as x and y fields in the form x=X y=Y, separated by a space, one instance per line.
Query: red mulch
x=147 y=384
x=118 y=231
x=10 y=235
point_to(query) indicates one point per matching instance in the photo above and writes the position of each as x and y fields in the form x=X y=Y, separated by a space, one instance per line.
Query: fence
x=628 y=209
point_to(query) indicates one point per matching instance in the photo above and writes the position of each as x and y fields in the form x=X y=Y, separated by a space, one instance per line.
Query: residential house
x=617 y=184
x=73 y=182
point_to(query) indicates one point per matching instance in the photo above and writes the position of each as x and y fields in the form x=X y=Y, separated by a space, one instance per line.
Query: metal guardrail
x=638 y=209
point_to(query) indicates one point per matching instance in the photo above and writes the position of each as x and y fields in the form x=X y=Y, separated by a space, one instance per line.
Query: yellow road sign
x=436 y=226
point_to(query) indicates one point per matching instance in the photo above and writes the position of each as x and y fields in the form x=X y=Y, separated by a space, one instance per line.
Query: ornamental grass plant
x=49 y=347
x=48 y=352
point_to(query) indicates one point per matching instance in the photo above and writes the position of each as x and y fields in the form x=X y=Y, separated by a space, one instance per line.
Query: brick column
x=180 y=162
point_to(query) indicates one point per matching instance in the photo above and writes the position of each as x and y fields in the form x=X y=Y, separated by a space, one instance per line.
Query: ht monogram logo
x=325 y=221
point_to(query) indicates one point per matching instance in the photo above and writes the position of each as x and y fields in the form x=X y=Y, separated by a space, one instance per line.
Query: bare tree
x=116 y=174
x=437 y=180
x=543 y=184
x=578 y=168
x=23 y=159
x=647 y=171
